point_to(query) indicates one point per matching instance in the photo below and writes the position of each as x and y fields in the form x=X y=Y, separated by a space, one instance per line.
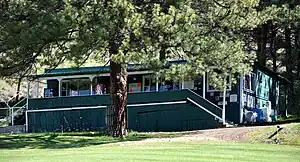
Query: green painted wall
x=174 y=117
x=134 y=98
x=75 y=120
x=179 y=117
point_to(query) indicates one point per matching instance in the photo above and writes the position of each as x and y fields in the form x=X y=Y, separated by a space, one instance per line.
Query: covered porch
x=66 y=85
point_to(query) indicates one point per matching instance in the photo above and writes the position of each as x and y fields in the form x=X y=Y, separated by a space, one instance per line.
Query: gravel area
x=238 y=134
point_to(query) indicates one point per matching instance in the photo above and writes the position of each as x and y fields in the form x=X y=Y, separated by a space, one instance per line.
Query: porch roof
x=94 y=70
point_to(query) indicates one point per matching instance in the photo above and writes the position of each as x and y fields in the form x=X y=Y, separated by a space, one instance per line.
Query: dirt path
x=239 y=134
x=226 y=134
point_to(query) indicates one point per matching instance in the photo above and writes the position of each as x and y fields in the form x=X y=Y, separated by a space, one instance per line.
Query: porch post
x=59 y=87
x=204 y=83
x=224 y=100
x=28 y=89
x=156 y=84
x=241 y=97
x=26 y=121
x=91 y=84
x=38 y=88
x=285 y=101
x=12 y=116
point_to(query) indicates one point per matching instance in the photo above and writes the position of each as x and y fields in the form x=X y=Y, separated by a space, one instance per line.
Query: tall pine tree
x=208 y=34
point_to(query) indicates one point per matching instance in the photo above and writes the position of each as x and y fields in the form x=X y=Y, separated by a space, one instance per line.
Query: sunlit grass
x=159 y=151
x=290 y=135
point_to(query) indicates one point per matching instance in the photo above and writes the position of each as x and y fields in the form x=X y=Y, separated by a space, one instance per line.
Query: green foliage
x=205 y=33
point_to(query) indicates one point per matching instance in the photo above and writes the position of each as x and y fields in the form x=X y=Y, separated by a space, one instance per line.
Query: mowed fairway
x=159 y=151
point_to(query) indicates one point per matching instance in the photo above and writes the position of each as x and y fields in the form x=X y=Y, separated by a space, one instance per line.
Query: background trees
x=278 y=47
x=208 y=34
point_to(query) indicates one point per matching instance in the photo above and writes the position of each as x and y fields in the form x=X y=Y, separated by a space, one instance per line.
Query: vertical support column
x=26 y=121
x=91 y=84
x=27 y=104
x=59 y=87
x=28 y=91
x=203 y=86
x=27 y=95
x=12 y=116
x=156 y=84
x=38 y=88
x=285 y=101
x=224 y=103
x=241 y=99
x=182 y=84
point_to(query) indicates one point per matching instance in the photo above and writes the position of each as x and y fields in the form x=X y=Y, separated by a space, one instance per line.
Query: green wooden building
x=75 y=99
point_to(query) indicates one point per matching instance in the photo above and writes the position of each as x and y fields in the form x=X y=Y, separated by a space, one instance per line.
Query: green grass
x=87 y=146
x=159 y=151
x=71 y=139
x=290 y=135
x=289 y=119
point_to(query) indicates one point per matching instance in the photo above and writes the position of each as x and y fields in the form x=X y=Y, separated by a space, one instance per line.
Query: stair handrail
x=13 y=97
x=15 y=113
x=19 y=102
x=21 y=108
x=198 y=105
x=205 y=99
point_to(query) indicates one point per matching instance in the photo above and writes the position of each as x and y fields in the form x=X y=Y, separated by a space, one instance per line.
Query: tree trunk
x=289 y=69
x=117 y=111
x=18 y=88
x=273 y=47
x=297 y=51
x=262 y=37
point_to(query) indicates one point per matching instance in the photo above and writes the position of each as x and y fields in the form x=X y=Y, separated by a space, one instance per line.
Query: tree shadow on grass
x=70 y=140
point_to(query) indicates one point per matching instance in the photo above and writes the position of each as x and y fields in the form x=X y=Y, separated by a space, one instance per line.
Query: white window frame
x=67 y=85
x=252 y=75
x=143 y=83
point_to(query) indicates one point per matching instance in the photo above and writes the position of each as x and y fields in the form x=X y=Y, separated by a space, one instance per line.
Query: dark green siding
x=134 y=98
x=171 y=117
x=74 y=120
x=178 y=117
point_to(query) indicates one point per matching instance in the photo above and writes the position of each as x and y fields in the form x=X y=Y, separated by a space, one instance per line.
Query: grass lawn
x=93 y=147
x=289 y=135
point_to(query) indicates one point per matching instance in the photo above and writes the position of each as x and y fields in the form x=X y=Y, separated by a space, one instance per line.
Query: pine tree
x=208 y=34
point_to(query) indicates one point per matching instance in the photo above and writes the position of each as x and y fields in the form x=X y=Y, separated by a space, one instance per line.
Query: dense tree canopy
x=208 y=34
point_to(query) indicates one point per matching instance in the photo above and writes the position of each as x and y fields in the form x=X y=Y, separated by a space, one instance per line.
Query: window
x=101 y=85
x=249 y=82
x=189 y=84
x=75 y=87
x=135 y=83
x=149 y=84
x=169 y=86
x=134 y=87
